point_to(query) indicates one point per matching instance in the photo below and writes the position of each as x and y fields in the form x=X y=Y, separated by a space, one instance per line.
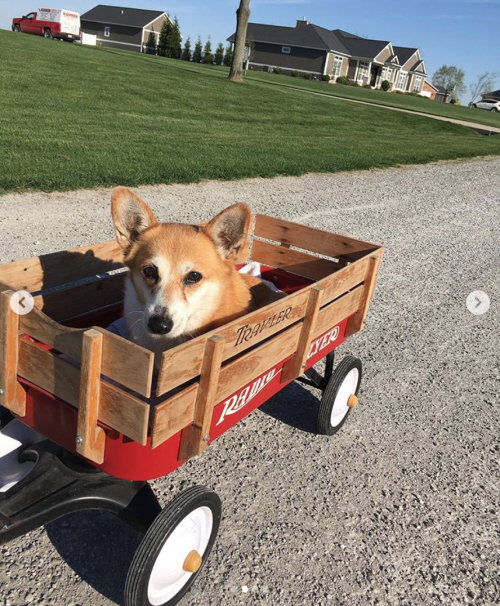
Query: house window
x=418 y=83
x=285 y=49
x=337 y=66
x=106 y=31
x=362 y=70
x=401 y=80
x=386 y=73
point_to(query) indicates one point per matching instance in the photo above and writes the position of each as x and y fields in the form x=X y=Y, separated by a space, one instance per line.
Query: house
x=494 y=95
x=443 y=94
x=429 y=90
x=309 y=48
x=133 y=29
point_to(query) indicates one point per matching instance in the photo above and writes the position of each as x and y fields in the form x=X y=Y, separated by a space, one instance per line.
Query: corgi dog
x=182 y=280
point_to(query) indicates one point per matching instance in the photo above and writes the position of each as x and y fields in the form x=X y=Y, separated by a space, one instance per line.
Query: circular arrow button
x=478 y=302
x=22 y=302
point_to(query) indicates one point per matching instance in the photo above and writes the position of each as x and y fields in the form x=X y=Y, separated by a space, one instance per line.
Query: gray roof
x=119 y=15
x=495 y=93
x=361 y=47
x=312 y=36
x=442 y=90
x=404 y=53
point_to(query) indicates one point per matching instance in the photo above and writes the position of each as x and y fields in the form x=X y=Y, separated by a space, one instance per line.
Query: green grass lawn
x=410 y=102
x=75 y=116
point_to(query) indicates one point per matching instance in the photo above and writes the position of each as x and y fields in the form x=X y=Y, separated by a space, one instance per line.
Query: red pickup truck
x=50 y=23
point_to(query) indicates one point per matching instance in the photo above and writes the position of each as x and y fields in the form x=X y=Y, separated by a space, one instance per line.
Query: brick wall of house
x=429 y=89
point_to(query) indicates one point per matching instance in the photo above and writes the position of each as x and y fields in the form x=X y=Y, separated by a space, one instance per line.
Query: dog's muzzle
x=161 y=325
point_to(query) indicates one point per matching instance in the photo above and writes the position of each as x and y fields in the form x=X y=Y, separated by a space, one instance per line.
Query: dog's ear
x=229 y=230
x=131 y=216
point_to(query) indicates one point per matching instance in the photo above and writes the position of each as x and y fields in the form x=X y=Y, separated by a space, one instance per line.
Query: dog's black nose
x=160 y=324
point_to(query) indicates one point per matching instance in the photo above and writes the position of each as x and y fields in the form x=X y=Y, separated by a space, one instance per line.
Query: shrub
x=386 y=85
x=326 y=78
x=295 y=74
x=343 y=80
x=454 y=102
x=307 y=76
x=367 y=86
x=278 y=70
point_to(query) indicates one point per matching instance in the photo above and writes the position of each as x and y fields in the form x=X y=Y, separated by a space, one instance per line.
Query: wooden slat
x=194 y=439
x=295 y=366
x=293 y=261
x=118 y=409
x=122 y=361
x=90 y=437
x=12 y=393
x=67 y=303
x=345 y=279
x=183 y=362
x=356 y=323
x=314 y=240
x=58 y=268
x=177 y=412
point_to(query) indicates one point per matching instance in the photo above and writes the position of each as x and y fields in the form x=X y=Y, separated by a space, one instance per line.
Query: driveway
x=401 y=507
x=480 y=128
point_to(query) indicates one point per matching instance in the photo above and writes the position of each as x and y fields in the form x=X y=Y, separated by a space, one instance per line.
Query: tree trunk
x=242 y=18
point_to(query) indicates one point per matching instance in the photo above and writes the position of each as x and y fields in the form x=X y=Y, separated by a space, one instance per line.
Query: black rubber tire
x=136 y=585
x=47 y=34
x=474 y=106
x=494 y=109
x=17 y=29
x=5 y=417
x=327 y=401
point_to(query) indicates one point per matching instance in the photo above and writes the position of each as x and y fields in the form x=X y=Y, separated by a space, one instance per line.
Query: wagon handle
x=90 y=437
x=194 y=439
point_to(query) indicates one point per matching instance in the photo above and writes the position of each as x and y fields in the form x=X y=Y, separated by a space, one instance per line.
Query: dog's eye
x=193 y=277
x=150 y=272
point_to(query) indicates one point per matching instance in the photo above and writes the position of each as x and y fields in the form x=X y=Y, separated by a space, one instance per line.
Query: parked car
x=50 y=23
x=490 y=104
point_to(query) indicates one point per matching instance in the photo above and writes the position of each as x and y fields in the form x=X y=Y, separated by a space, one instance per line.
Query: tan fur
x=175 y=249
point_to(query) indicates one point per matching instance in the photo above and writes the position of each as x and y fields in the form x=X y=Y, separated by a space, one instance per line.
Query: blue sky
x=465 y=33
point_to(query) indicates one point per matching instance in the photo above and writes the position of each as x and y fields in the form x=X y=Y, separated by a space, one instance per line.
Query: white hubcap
x=168 y=576
x=340 y=406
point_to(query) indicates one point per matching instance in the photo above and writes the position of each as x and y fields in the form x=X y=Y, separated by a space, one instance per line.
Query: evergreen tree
x=174 y=48
x=208 y=56
x=219 y=54
x=198 y=52
x=186 y=51
x=163 y=40
x=228 y=57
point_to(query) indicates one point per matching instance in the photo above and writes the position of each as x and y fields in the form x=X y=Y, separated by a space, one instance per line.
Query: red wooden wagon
x=87 y=422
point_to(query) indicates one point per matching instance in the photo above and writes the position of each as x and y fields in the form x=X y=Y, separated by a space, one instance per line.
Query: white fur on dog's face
x=180 y=275
x=188 y=308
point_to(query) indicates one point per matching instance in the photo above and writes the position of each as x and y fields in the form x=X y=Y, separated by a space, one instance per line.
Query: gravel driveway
x=401 y=507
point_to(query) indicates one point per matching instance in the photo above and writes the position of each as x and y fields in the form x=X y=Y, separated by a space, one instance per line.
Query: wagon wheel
x=174 y=549
x=5 y=417
x=340 y=396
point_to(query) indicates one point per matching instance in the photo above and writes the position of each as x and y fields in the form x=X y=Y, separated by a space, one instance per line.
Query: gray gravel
x=401 y=507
